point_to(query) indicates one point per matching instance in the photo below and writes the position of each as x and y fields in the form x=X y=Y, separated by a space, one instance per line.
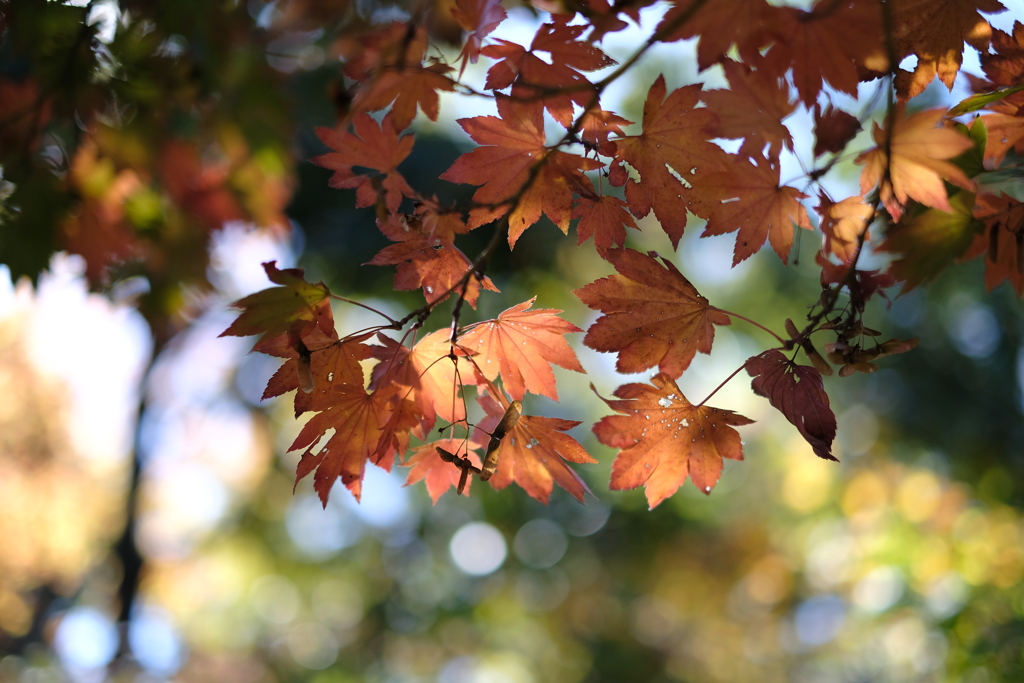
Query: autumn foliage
x=699 y=158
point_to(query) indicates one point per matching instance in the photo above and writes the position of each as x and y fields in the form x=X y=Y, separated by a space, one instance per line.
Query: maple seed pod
x=819 y=363
x=791 y=329
x=508 y=421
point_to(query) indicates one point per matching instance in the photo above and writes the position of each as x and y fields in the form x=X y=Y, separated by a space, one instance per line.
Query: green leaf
x=929 y=240
x=982 y=100
x=972 y=162
x=295 y=306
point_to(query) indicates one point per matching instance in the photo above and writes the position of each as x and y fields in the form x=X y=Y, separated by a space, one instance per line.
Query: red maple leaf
x=673 y=137
x=372 y=146
x=652 y=314
x=521 y=344
x=1002 y=242
x=663 y=439
x=606 y=218
x=747 y=24
x=430 y=262
x=533 y=454
x=834 y=41
x=833 y=129
x=531 y=76
x=798 y=393
x=513 y=144
x=748 y=198
x=752 y=108
x=480 y=18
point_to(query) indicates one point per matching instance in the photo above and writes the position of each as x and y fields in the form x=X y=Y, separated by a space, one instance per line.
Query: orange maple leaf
x=357 y=418
x=425 y=369
x=513 y=144
x=652 y=314
x=918 y=165
x=752 y=108
x=673 y=136
x=663 y=439
x=843 y=223
x=439 y=475
x=521 y=344
x=935 y=31
x=1002 y=242
x=534 y=451
x=375 y=146
x=748 y=198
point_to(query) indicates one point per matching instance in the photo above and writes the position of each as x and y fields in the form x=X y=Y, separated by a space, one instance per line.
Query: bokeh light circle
x=478 y=548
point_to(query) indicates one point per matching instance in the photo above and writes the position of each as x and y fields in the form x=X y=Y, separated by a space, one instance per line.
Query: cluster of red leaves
x=651 y=315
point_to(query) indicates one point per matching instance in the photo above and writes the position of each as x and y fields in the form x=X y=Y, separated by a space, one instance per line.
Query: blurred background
x=154 y=154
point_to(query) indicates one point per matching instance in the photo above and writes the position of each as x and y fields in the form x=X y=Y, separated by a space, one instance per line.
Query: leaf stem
x=361 y=305
x=724 y=382
x=748 y=320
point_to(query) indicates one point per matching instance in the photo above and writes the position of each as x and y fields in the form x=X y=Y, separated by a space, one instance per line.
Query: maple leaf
x=1004 y=66
x=719 y=25
x=1002 y=241
x=798 y=393
x=748 y=198
x=531 y=76
x=663 y=439
x=480 y=18
x=596 y=125
x=405 y=87
x=427 y=465
x=513 y=144
x=935 y=31
x=1005 y=132
x=533 y=454
x=673 y=139
x=296 y=307
x=829 y=43
x=430 y=262
x=752 y=109
x=929 y=240
x=521 y=344
x=329 y=362
x=425 y=369
x=357 y=418
x=833 y=129
x=372 y=146
x=843 y=223
x=652 y=314
x=918 y=165
x=606 y=219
